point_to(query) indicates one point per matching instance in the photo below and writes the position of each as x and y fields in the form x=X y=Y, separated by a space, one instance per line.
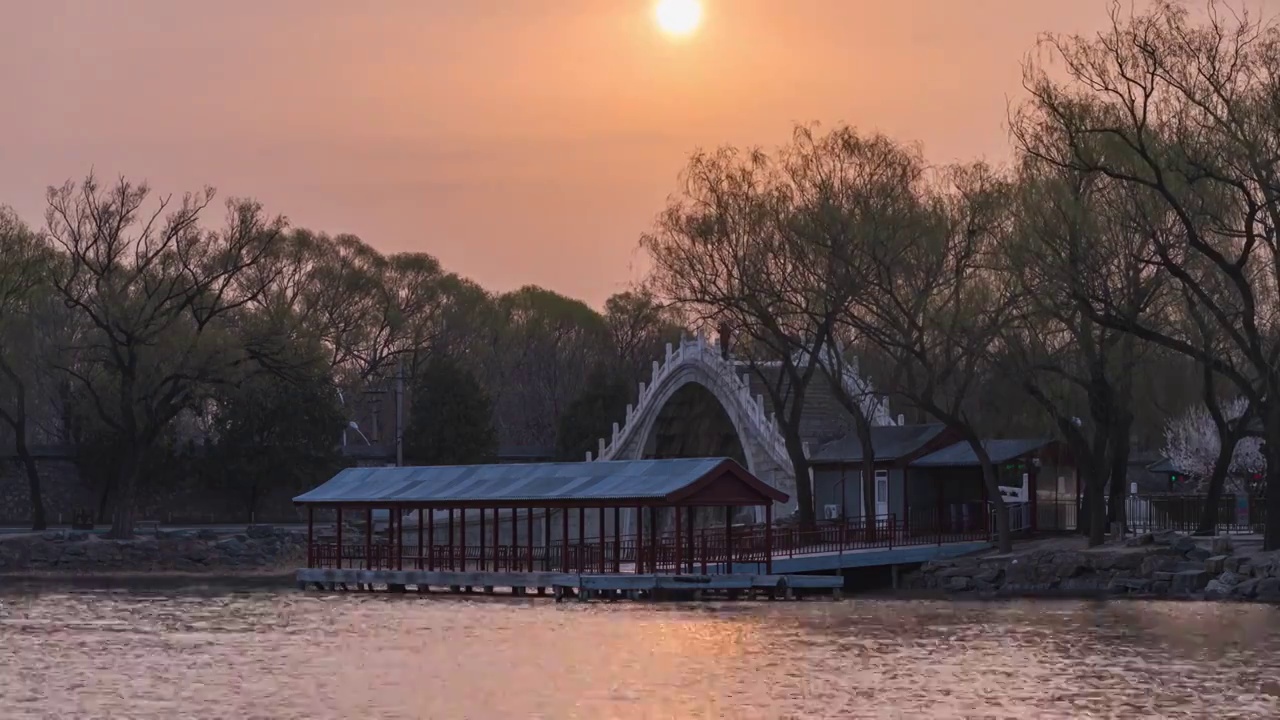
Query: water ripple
x=287 y=655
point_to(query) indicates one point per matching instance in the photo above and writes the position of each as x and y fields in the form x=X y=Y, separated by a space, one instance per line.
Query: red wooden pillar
x=679 y=556
x=450 y=538
x=546 y=539
x=728 y=541
x=768 y=539
x=529 y=533
x=655 y=552
x=582 y=539
x=564 y=540
x=431 y=533
x=462 y=538
x=639 y=540
x=368 y=538
x=601 y=543
x=311 y=535
x=497 y=537
x=421 y=540
x=515 y=540
x=339 y=563
x=399 y=515
x=617 y=539
x=688 y=526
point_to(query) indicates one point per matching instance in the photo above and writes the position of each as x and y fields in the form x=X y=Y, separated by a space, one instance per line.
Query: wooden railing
x=706 y=550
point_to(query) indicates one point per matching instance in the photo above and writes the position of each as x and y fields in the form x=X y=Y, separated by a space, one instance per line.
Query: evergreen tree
x=591 y=415
x=451 y=418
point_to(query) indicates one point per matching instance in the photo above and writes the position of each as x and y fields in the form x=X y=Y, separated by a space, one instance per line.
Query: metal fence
x=1154 y=513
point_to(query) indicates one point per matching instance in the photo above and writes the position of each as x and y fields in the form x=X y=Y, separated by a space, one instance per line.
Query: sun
x=678 y=17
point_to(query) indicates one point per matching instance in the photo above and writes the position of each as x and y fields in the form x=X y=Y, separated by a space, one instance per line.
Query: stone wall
x=259 y=548
x=1161 y=565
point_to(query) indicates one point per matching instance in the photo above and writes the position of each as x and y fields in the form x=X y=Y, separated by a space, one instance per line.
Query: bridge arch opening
x=694 y=423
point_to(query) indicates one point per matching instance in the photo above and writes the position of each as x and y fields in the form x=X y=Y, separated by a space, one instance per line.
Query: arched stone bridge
x=700 y=404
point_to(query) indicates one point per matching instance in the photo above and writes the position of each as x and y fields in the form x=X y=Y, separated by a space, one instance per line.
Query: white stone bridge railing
x=732 y=389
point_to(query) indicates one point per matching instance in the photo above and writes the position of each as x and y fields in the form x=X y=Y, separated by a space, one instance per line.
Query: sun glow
x=678 y=17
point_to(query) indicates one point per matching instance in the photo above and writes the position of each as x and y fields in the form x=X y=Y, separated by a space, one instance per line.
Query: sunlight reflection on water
x=289 y=655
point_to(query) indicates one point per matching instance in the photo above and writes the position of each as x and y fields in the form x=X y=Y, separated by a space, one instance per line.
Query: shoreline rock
x=192 y=551
x=1166 y=565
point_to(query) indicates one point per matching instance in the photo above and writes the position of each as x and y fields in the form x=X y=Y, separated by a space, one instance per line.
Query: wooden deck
x=581 y=586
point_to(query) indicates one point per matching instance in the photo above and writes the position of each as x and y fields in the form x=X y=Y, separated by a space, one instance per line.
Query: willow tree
x=845 y=191
x=1181 y=111
x=1070 y=243
x=159 y=296
x=735 y=249
x=25 y=331
x=931 y=299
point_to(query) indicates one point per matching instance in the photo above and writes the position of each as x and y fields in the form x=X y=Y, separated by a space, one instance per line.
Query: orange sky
x=520 y=141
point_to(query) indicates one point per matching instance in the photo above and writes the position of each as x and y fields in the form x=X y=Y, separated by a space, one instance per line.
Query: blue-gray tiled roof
x=961 y=455
x=890 y=442
x=525 y=482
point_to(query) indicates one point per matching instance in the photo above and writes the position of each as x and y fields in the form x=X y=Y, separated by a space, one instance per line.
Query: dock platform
x=606 y=586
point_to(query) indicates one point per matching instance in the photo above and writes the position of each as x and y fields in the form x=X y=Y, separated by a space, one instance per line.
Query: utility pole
x=400 y=413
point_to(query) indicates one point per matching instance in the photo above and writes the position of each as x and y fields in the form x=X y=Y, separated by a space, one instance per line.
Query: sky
x=519 y=141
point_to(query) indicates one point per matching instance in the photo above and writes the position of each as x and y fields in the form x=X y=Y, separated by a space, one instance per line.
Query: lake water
x=213 y=654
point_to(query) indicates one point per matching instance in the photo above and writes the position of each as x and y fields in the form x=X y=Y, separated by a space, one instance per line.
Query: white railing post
x=588 y=456
x=615 y=433
x=601 y=449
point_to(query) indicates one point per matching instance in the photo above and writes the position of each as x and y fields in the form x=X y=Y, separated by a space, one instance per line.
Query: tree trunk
x=38 y=519
x=868 y=476
x=17 y=421
x=1271 y=431
x=804 y=488
x=1004 y=538
x=126 y=484
x=1095 y=500
x=1217 y=479
x=1119 y=471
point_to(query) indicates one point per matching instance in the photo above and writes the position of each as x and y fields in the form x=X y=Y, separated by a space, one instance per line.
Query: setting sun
x=678 y=17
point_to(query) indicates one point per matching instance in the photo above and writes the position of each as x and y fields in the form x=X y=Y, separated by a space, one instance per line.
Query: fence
x=1154 y=513
x=706 y=550
x=1233 y=514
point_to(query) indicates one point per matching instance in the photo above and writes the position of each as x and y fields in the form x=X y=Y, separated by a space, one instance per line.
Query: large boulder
x=1269 y=590
x=1246 y=590
x=1216 y=564
x=1186 y=582
x=1221 y=545
x=1230 y=579
x=258 y=532
x=1198 y=554
x=232 y=547
x=1216 y=589
x=1183 y=544
x=958 y=583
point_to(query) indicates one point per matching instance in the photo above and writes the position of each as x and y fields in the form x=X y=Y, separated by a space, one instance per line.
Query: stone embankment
x=258 y=548
x=1164 y=565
